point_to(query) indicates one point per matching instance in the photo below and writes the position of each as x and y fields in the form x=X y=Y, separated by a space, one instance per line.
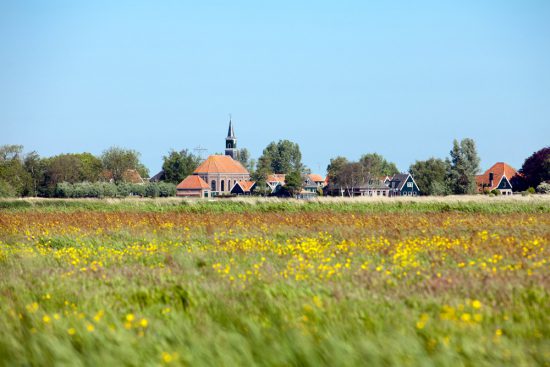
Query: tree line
x=86 y=175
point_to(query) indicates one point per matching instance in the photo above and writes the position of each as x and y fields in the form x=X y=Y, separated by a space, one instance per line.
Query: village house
x=373 y=188
x=313 y=182
x=275 y=182
x=403 y=184
x=243 y=188
x=193 y=186
x=496 y=178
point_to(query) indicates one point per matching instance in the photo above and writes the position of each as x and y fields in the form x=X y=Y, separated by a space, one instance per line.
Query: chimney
x=491 y=179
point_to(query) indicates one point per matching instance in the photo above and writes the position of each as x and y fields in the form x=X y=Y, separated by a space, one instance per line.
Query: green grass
x=478 y=204
x=233 y=284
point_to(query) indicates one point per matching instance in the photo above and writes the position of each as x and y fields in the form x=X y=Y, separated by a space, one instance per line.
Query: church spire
x=230 y=132
x=231 y=141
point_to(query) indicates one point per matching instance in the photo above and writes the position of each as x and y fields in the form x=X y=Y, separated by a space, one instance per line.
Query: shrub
x=64 y=190
x=137 y=190
x=152 y=190
x=495 y=192
x=531 y=190
x=166 y=189
x=543 y=188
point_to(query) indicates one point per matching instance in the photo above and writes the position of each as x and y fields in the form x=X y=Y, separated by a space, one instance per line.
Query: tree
x=244 y=158
x=536 y=168
x=36 y=168
x=376 y=166
x=14 y=179
x=72 y=168
x=464 y=165
x=281 y=157
x=293 y=182
x=350 y=177
x=335 y=167
x=178 y=165
x=431 y=176
x=118 y=161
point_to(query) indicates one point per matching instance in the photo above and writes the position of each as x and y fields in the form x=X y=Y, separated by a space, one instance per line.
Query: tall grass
x=473 y=205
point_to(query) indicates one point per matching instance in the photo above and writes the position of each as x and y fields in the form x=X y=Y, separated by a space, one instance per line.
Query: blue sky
x=400 y=78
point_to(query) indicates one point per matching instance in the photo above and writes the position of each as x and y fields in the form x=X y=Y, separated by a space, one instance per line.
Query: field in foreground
x=275 y=284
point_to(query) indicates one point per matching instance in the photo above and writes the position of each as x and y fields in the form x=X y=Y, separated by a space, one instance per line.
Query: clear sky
x=400 y=78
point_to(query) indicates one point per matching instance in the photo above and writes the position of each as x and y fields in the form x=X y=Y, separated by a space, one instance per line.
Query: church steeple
x=231 y=142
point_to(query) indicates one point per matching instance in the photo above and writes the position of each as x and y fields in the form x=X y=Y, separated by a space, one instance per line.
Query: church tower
x=231 y=142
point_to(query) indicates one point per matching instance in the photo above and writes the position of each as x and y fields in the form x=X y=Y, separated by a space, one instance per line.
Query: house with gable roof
x=497 y=178
x=403 y=184
x=243 y=188
x=313 y=182
x=193 y=186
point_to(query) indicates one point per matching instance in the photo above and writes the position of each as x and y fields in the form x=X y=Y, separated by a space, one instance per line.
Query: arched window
x=223 y=186
x=213 y=185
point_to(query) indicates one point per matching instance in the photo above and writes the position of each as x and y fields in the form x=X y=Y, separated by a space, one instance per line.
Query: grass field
x=333 y=282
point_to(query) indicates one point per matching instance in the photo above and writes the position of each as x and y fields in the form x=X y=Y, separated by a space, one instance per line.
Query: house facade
x=496 y=178
x=313 y=182
x=193 y=186
x=403 y=184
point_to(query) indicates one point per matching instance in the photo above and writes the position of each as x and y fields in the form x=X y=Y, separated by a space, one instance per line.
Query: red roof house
x=497 y=177
x=193 y=186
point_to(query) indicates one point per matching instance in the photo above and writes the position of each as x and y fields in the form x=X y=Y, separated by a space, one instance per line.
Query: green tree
x=293 y=182
x=14 y=178
x=464 y=165
x=90 y=167
x=178 y=165
x=281 y=157
x=72 y=168
x=335 y=167
x=36 y=168
x=431 y=176
x=246 y=161
x=376 y=166
x=118 y=160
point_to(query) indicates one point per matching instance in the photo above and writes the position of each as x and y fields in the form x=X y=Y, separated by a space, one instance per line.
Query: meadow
x=269 y=283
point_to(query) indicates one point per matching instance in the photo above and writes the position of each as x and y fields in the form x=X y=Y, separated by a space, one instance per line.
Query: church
x=218 y=174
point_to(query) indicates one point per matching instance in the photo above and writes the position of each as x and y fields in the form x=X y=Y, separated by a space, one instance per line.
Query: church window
x=223 y=186
x=213 y=185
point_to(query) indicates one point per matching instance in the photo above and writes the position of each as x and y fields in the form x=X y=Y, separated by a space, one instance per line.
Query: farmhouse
x=497 y=178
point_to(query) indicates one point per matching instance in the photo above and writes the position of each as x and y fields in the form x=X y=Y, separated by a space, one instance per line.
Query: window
x=409 y=184
x=213 y=185
x=223 y=186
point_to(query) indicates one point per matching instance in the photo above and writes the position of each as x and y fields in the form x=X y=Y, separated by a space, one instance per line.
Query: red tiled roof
x=192 y=182
x=221 y=164
x=276 y=177
x=316 y=178
x=246 y=185
x=498 y=169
